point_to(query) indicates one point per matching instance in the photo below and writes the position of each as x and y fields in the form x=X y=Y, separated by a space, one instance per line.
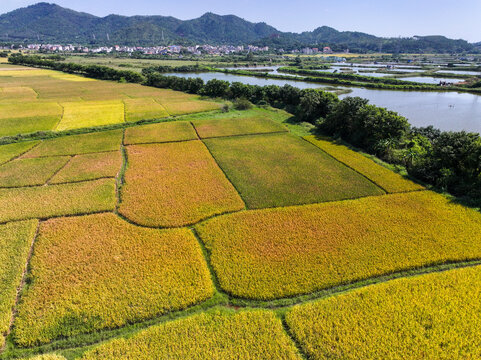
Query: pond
x=444 y=110
x=430 y=80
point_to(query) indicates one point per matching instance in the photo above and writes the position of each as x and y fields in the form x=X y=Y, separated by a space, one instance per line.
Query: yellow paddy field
x=140 y=223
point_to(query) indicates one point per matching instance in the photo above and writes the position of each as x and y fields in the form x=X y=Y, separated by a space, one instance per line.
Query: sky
x=454 y=19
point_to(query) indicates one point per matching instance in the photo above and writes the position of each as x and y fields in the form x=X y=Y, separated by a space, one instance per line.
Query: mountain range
x=44 y=22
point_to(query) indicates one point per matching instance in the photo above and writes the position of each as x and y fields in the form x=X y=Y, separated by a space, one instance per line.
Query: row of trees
x=450 y=161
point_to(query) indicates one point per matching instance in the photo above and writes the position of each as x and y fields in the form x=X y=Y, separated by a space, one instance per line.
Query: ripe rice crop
x=29 y=172
x=158 y=133
x=276 y=253
x=236 y=126
x=57 y=200
x=98 y=271
x=89 y=167
x=141 y=109
x=47 y=357
x=78 y=144
x=78 y=115
x=388 y=180
x=174 y=184
x=216 y=335
x=70 y=77
x=10 y=151
x=15 y=240
x=27 y=72
x=16 y=126
x=279 y=170
x=434 y=316
x=188 y=107
x=29 y=109
x=17 y=93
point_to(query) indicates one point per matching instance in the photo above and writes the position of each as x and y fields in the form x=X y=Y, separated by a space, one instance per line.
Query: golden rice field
x=15 y=242
x=156 y=237
x=57 y=200
x=280 y=170
x=159 y=133
x=11 y=151
x=236 y=126
x=276 y=253
x=388 y=180
x=89 y=167
x=141 y=109
x=190 y=106
x=434 y=316
x=98 y=271
x=175 y=184
x=217 y=335
x=30 y=172
x=78 y=144
x=91 y=113
x=34 y=100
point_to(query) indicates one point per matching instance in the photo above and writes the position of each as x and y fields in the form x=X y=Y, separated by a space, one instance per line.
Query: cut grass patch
x=387 y=179
x=30 y=172
x=78 y=144
x=277 y=253
x=174 y=184
x=98 y=271
x=84 y=114
x=281 y=169
x=89 y=167
x=236 y=126
x=433 y=316
x=218 y=334
x=143 y=109
x=10 y=151
x=162 y=132
x=57 y=200
x=15 y=241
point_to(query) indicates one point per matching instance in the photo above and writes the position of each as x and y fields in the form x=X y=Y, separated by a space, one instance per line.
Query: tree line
x=450 y=161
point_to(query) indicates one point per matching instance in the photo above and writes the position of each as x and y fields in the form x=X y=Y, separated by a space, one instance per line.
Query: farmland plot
x=174 y=184
x=98 y=271
x=276 y=253
x=279 y=170
x=236 y=126
x=219 y=335
x=159 y=133
x=434 y=316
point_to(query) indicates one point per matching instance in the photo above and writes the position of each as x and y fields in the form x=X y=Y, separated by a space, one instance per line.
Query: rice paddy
x=95 y=272
x=141 y=109
x=78 y=115
x=15 y=242
x=174 y=184
x=159 y=133
x=57 y=200
x=434 y=316
x=277 y=253
x=220 y=335
x=143 y=242
x=280 y=170
x=33 y=100
x=388 y=180
x=30 y=172
x=78 y=144
x=236 y=126
x=11 y=151
x=89 y=167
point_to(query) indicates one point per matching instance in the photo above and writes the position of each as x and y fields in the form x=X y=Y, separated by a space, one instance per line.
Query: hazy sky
x=455 y=19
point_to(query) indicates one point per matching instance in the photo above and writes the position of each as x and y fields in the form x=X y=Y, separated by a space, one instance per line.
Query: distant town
x=172 y=49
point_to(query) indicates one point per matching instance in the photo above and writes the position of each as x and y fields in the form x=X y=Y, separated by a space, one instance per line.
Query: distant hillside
x=45 y=22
